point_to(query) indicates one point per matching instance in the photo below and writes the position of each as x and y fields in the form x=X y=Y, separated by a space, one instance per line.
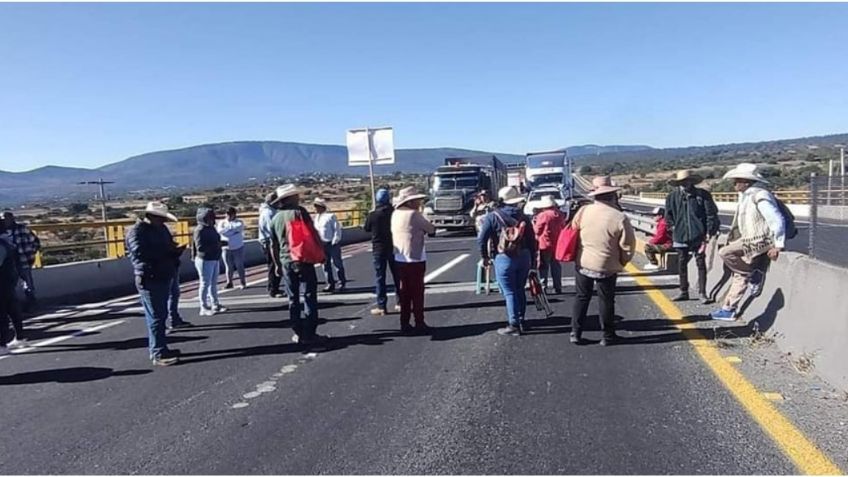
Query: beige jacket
x=607 y=241
x=408 y=230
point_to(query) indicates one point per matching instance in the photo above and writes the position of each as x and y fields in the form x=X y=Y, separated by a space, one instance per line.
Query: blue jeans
x=512 y=273
x=294 y=275
x=207 y=271
x=382 y=262
x=174 y=300
x=334 y=257
x=154 y=300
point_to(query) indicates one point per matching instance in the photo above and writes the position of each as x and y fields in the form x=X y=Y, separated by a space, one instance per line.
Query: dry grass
x=803 y=364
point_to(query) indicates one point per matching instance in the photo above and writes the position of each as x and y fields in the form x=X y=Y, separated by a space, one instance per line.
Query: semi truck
x=454 y=186
x=550 y=168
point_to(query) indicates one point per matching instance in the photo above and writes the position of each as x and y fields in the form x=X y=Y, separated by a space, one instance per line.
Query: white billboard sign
x=375 y=146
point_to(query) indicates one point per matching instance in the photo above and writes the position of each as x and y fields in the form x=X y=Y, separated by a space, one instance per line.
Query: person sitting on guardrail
x=409 y=227
x=28 y=246
x=547 y=225
x=206 y=252
x=303 y=316
x=232 y=230
x=692 y=215
x=379 y=224
x=515 y=254
x=607 y=243
x=9 y=306
x=266 y=215
x=152 y=251
x=661 y=242
x=330 y=232
x=758 y=229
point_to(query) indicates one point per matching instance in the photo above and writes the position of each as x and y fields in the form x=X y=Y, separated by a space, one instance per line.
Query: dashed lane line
x=435 y=273
x=806 y=456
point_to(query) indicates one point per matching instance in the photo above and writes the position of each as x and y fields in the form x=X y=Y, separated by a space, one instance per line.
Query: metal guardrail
x=112 y=233
x=801 y=197
x=642 y=222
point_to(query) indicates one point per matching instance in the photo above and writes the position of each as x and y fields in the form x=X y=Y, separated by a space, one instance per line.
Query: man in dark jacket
x=28 y=245
x=379 y=224
x=9 y=307
x=294 y=273
x=152 y=251
x=693 y=216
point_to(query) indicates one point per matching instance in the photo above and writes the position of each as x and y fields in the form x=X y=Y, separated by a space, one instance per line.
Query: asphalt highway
x=463 y=400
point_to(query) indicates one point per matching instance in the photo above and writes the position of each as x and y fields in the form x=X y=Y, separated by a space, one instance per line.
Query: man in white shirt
x=758 y=230
x=232 y=230
x=330 y=232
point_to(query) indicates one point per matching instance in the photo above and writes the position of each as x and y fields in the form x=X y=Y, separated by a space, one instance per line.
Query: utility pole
x=102 y=183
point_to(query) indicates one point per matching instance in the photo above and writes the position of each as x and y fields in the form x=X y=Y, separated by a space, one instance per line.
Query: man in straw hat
x=547 y=225
x=758 y=231
x=303 y=316
x=330 y=231
x=152 y=252
x=266 y=215
x=692 y=214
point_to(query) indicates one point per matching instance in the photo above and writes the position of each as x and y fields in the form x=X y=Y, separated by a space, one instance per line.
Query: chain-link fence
x=828 y=232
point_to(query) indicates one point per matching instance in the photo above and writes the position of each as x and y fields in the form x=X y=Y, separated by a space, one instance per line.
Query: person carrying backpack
x=607 y=243
x=515 y=254
x=759 y=228
x=296 y=250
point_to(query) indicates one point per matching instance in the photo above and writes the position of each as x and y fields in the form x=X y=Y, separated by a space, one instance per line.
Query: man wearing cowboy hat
x=692 y=214
x=152 y=252
x=547 y=226
x=330 y=232
x=303 y=316
x=266 y=215
x=758 y=231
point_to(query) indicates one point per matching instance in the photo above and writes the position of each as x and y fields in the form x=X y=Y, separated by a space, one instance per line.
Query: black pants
x=10 y=311
x=273 y=278
x=547 y=262
x=606 y=306
x=684 y=256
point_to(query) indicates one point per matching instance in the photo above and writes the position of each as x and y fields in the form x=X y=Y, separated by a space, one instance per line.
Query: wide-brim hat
x=319 y=202
x=285 y=191
x=510 y=195
x=602 y=185
x=657 y=211
x=745 y=171
x=685 y=174
x=547 y=202
x=407 y=194
x=159 y=210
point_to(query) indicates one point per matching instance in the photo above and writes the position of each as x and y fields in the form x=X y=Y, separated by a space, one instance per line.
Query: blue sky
x=89 y=84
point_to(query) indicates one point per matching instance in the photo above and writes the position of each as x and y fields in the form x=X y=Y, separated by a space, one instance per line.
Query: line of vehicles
x=454 y=186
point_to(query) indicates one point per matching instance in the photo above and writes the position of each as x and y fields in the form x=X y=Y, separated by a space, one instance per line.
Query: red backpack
x=304 y=244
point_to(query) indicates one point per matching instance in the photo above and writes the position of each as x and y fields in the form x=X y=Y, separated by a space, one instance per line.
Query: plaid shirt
x=27 y=244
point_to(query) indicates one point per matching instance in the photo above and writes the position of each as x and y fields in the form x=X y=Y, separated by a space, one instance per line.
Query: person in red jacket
x=661 y=241
x=547 y=225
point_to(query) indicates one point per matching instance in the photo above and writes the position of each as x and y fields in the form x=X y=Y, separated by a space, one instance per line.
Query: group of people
x=18 y=249
x=690 y=221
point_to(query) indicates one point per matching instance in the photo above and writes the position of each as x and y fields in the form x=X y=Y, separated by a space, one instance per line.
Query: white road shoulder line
x=59 y=339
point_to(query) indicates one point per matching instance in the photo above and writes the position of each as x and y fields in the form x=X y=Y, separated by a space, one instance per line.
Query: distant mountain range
x=213 y=165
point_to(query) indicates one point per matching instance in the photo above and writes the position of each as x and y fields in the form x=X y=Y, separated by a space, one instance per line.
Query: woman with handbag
x=515 y=254
x=606 y=244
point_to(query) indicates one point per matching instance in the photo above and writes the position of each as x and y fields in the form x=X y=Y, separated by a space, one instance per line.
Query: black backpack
x=9 y=267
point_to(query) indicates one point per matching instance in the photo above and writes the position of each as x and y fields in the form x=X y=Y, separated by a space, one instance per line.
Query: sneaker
x=329 y=289
x=651 y=267
x=756 y=281
x=609 y=339
x=342 y=287
x=170 y=353
x=273 y=294
x=379 y=312
x=295 y=338
x=723 y=315
x=682 y=296
x=242 y=287
x=575 y=339
x=180 y=324
x=397 y=308
x=509 y=330
x=219 y=309
x=17 y=343
x=228 y=286
x=207 y=312
x=163 y=361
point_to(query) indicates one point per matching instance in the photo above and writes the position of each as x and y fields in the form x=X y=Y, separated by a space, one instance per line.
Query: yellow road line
x=808 y=458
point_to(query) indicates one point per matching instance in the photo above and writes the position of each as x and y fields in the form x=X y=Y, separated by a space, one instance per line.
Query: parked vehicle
x=535 y=197
x=454 y=186
x=550 y=168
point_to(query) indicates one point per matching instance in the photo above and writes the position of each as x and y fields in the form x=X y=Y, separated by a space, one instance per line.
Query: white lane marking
x=289 y=368
x=252 y=395
x=240 y=405
x=435 y=273
x=59 y=339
